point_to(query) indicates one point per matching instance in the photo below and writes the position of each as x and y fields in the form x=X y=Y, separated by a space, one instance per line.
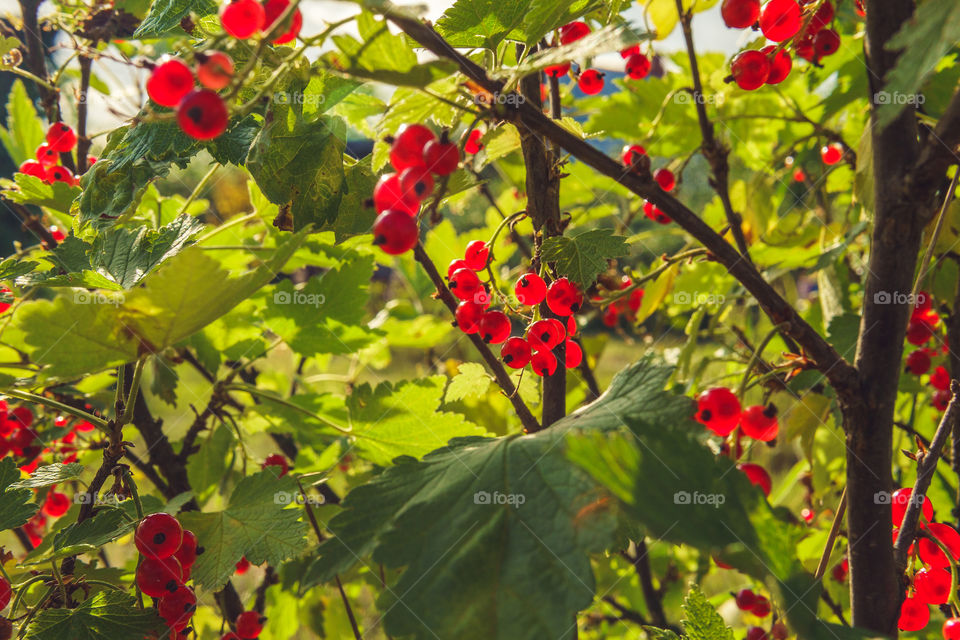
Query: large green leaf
x=50 y=474
x=582 y=257
x=482 y=23
x=28 y=189
x=166 y=14
x=106 y=525
x=24 y=131
x=15 y=505
x=128 y=255
x=701 y=621
x=108 y=615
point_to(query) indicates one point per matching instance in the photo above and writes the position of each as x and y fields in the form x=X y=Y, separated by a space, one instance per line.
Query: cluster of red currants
x=627 y=305
x=201 y=113
x=924 y=322
x=60 y=138
x=416 y=155
x=633 y=157
x=779 y=21
x=243 y=19
x=247 y=626
x=758 y=605
x=590 y=81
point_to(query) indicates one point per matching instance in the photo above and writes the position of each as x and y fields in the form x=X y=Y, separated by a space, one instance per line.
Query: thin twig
x=832 y=537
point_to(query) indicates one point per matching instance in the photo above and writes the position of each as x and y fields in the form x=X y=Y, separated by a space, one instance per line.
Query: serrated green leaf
x=584 y=256
x=206 y=467
x=15 y=508
x=482 y=23
x=108 y=615
x=472 y=380
x=354 y=217
x=165 y=15
x=32 y=190
x=24 y=131
x=12 y=268
x=701 y=621
x=50 y=474
x=105 y=526
x=128 y=255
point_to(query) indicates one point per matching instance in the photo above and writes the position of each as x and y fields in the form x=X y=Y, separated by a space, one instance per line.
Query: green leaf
x=108 y=615
x=584 y=256
x=25 y=130
x=924 y=39
x=7 y=44
x=15 y=505
x=11 y=268
x=472 y=380
x=206 y=467
x=32 y=190
x=702 y=622
x=482 y=23
x=656 y=633
x=546 y=15
x=165 y=15
x=105 y=526
x=354 y=217
x=50 y=474
x=257 y=524
x=609 y=38
x=128 y=255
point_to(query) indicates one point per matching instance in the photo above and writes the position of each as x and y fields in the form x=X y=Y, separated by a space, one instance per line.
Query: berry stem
x=127 y=414
x=832 y=536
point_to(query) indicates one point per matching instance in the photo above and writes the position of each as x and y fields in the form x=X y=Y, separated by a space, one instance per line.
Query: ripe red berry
x=799 y=175
x=745 y=599
x=543 y=363
x=216 y=71
x=750 y=69
x=544 y=335
x=442 y=158
x=395 y=232
x=408 y=145
x=654 y=213
x=899 y=502
x=590 y=82
x=573 y=354
x=21 y=417
x=940 y=379
x=760 y=423
x=476 y=255
x=718 y=409
x=951 y=629
x=564 y=297
x=761 y=607
x=61 y=137
x=637 y=66
x=5 y=592
x=840 y=571
x=930 y=552
x=473 y=145
x=530 y=289
x=388 y=194
x=918 y=363
x=780 y=20
x=34 y=169
x=822 y=17
x=831 y=153
x=59 y=174
x=740 y=14
x=170 y=82
x=756 y=633
x=158 y=535
x=914 y=615
x=780 y=64
x=249 y=625
x=631 y=154
x=155 y=576
x=273 y=9
x=47 y=155
x=56 y=504
x=273 y=460
x=611 y=315
x=932 y=586
x=242 y=566
x=826 y=43
x=665 y=179
x=556 y=71
x=188 y=551
x=416 y=182
x=468 y=315
x=242 y=18
x=494 y=327
x=465 y=284
x=59 y=236
x=940 y=400
x=178 y=607
x=758 y=476
x=573 y=31
x=203 y=115
x=515 y=353
x=456 y=264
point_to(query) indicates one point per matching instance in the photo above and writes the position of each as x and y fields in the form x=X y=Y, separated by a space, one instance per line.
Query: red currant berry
x=515 y=353
x=494 y=327
x=808 y=514
x=188 y=551
x=274 y=460
x=557 y=71
x=456 y=264
x=249 y=625
x=665 y=179
x=611 y=315
x=718 y=409
x=273 y=9
x=530 y=289
x=56 y=504
x=740 y=14
x=779 y=631
x=654 y=213
x=203 y=115
x=899 y=502
x=635 y=300
x=544 y=335
x=476 y=254
x=468 y=315
x=822 y=17
x=931 y=553
x=442 y=158
x=573 y=31
x=914 y=615
x=638 y=66
x=760 y=423
x=780 y=64
x=242 y=566
x=924 y=301
x=21 y=417
x=564 y=297
x=940 y=400
x=745 y=599
x=242 y=18
x=757 y=475
x=395 y=232
x=61 y=137
x=756 y=633
x=170 y=82
x=47 y=155
x=780 y=20
x=571 y=326
x=5 y=592
x=158 y=535
x=155 y=576
x=59 y=236
x=543 y=363
x=761 y=607
x=750 y=69
x=799 y=175
x=573 y=354
x=473 y=144
x=940 y=379
x=388 y=194
x=178 y=607
x=951 y=629
x=590 y=82
x=465 y=283
x=629 y=51
x=918 y=363
x=826 y=43
x=416 y=182
x=34 y=169
x=631 y=154
x=216 y=71
x=407 y=148
x=840 y=571
x=932 y=586
x=831 y=154
x=59 y=174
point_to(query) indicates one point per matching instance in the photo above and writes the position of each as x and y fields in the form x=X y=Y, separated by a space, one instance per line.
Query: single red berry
x=178 y=607
x=573 y=354
x=611 y=315
x=242 y=566
x=473 y=144
x=543 y=363
x=188 y=551
x=924 y=301
x=156 y=576
x=515 y=353
x=59 y=174
x=56 y=504
x=803 y=45
x=654 y=213
x=395 y=232
x=665 y=179
x=760 y=423
x=940 y=379
x=158 y=535
x=274 y=460
x=564 y=297
x=756 y=633
x=216 y=71
x=416 y=182
x=940 y=400
x=745 y=599
x=476 y=254
x=530 y=289
x=637 y=66
x=59 y=236
x=779 y=631
x=807 y=514
x=47 y=155
x=780 y=20
x=468 y=315
x=203 y=115
x=750 y=68
x=831 y=153
x=590 y=82
x=840 y=571
x=571 y=326
x=408 y=145
x=718 y=409
x=761 y=607
x=951 y=629
x=822 y=17
x=34 y=169
x=899 y=502
x=242 y=18
x=914 y=615
x=273 y=9
x=465 y=283
x=740 y=14
x=799 y=176
x=932 y=586
x=635 y=300
x=826 y=43
x=557 y=70
x=629 y=51
x=758 y=476
x=930 y=552
x=170 y=82
x=61 y=137
x=631 y=154
x=456 y=264
x=389 y=194
x=573 y=31
x=249 y=624
x=494 y=327
x=5 y=592
x=544 y=335
x=780 y=64
x=442 y=158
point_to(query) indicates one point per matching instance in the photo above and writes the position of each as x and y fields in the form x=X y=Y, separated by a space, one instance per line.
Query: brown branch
x=641 y=564
x=953 y=341
x=626 y=613
x=33 y=224
x=936 y=156
x=35 y=57
x=83 y=142
x=270 y=578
